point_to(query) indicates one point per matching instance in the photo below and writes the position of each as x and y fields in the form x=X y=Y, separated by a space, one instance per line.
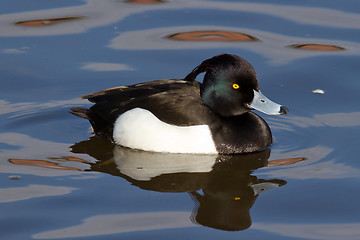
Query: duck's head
x=230 y=87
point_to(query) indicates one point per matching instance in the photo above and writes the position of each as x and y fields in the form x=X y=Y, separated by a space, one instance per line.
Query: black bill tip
x=284 y=110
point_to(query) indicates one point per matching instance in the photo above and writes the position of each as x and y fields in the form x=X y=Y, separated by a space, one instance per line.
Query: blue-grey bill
x=265 y=105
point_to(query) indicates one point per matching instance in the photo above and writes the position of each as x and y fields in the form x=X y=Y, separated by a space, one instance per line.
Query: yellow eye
x=235 y=86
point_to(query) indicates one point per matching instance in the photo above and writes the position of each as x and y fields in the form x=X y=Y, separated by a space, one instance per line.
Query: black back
x=173 y=101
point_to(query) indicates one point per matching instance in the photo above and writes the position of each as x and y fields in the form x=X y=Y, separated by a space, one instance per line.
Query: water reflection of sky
x=100 y=13
x=142 y=37
x=272 y=46
x=175 y=220
x=52 y=52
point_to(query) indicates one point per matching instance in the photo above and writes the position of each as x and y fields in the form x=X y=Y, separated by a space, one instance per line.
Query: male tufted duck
x=185 y=116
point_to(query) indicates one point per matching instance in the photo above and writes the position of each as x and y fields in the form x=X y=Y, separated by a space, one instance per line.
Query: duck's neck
x=241 y=134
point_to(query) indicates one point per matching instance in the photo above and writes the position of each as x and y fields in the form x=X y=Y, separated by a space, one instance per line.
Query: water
x=58 y=182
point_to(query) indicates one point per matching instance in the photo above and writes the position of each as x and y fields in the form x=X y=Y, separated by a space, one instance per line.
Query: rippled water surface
x=59 y=182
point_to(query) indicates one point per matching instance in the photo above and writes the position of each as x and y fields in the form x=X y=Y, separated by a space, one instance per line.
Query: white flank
x=140 y=129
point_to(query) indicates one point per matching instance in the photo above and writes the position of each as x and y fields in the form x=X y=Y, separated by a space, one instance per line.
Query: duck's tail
x=80 y=112
x=100 y=126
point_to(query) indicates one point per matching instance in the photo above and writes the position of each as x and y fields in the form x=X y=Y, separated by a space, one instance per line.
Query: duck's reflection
x=228 y=195
x=222 y=187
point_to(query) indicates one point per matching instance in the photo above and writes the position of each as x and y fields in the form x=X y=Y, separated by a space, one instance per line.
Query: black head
x=230 y=86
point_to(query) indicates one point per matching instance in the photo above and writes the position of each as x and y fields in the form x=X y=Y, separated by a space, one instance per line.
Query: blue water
x=58 y=182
